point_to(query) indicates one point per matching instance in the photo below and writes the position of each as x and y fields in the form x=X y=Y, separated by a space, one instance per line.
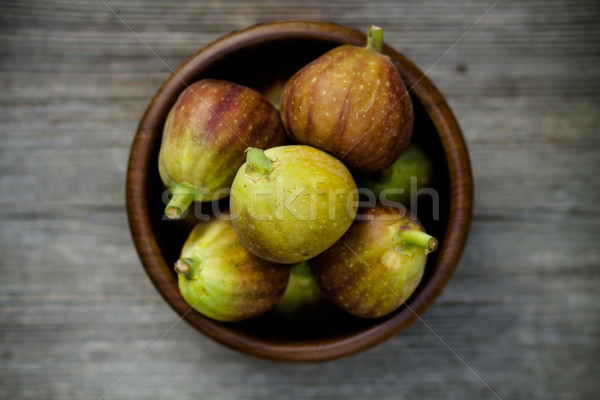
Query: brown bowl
x=263 y=57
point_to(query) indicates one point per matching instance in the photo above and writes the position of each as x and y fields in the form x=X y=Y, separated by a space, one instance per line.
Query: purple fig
x=351 y=102
x=292 y=202
x=204 y=138
x=375 y=267
x=220 y=279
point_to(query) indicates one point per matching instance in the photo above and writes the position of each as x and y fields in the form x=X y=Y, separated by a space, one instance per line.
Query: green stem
x=188 y=267
x=258 y=164
x=302 y=274
x=415 y=237
x=301 y=269
x=375 y=38
x=183 y=196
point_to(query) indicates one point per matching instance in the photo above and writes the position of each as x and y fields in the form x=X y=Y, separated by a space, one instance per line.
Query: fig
x=204 y=138
x=352 y=103
x=375 y=267
x=220 y=279
x=289 y=203
x=303 y=300
x=411 y=172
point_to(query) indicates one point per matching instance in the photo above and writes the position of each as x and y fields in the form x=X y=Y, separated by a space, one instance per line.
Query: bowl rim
x=459 y=216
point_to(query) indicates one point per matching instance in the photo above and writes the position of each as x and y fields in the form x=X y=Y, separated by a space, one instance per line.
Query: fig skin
x=302 y=300
x=352 y=103
x=220 y=279
x=204 y=138
x=375 y=267
x=395 y=180
x=290 y=203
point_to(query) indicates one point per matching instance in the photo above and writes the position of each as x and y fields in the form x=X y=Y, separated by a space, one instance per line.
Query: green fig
x=302 y=299
x=220 y=279
x=352 y=103
x=204 y=138
x=289 y=203
x=412 y=171
x=375 y=267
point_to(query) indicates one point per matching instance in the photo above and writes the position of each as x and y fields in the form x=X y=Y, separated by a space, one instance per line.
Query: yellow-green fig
x=204 y=138
x=221 y=279
x=289 y=203
x=375 y=267
x=352 y=103
x=302 y=300
x=402 y=180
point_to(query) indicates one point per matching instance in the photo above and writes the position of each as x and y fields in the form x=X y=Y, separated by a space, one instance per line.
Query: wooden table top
x=79 y=318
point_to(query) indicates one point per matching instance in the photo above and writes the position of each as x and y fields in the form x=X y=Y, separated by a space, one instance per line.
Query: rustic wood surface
x=80 y=319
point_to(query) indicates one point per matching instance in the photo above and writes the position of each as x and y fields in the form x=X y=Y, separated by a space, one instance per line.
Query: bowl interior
x=264 y=62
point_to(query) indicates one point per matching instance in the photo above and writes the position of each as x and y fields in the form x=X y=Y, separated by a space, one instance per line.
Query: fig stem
x=301 y=269
x=188 y=267
x=183 y=196
x=302 y=274
x=258 y=164
x=375 y=38
x=415 y=237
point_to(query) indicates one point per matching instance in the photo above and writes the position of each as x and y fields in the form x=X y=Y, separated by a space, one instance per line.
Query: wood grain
x=77 y=310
